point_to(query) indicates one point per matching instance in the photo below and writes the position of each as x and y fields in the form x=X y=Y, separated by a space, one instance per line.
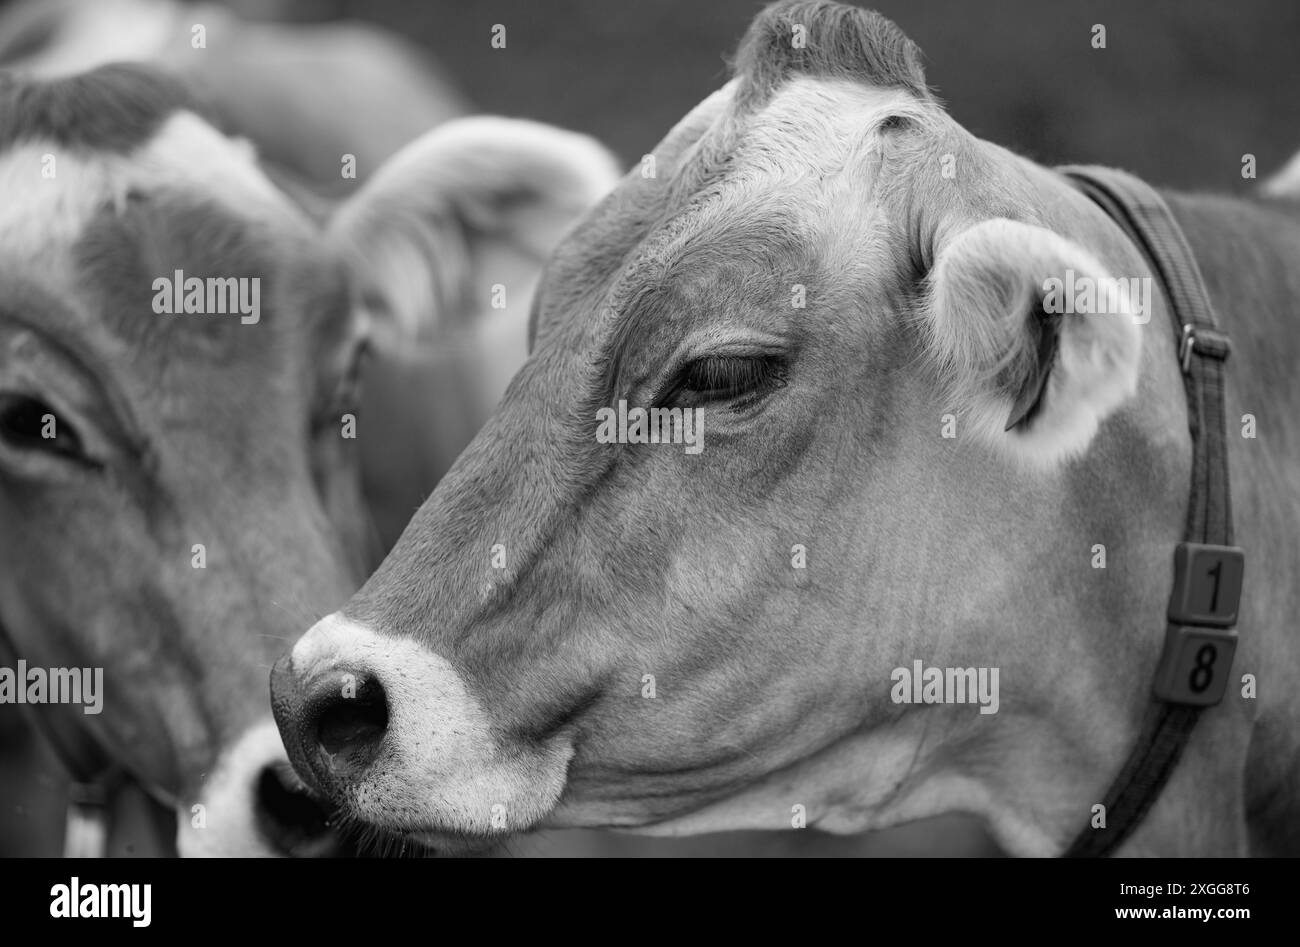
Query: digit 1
x=1216 y=572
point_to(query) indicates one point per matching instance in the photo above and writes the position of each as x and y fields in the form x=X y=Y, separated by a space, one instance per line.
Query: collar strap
x=93 y=775
x=1200 y=637
x=94 y=778
x=87 y=824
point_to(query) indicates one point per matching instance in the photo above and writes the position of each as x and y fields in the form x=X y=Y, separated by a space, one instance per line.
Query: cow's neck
x=1249 y=253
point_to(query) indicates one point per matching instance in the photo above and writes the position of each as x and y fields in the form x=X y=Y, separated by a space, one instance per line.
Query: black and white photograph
x=508 y=430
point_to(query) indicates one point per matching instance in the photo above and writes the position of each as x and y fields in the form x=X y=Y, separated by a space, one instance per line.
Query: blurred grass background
x=1183 y=89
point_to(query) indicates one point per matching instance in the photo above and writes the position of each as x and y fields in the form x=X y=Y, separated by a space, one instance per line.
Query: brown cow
x=585 y=630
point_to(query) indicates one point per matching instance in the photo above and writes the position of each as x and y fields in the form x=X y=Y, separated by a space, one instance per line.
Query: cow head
x=179 y=350
x=905 y=458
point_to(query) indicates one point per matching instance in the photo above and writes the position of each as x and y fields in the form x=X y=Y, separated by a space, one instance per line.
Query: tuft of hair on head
x=829 y=40
x=114 y=108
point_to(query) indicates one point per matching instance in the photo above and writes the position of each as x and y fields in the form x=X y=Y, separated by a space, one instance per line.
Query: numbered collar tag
x=1195 y=664
x=1200 y=641
x=1207 y=585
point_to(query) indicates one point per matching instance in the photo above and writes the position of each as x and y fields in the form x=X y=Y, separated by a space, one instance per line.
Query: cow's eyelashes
x=723 y=378
x=31 y=425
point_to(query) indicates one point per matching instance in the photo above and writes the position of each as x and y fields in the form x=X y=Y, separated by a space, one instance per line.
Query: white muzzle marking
x=441 y=768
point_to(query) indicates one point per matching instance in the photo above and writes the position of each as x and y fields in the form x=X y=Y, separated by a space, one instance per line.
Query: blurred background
x=1183 y=89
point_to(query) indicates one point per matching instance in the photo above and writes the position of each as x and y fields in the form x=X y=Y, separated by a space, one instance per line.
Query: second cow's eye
x=346 y=396
x=28 y=423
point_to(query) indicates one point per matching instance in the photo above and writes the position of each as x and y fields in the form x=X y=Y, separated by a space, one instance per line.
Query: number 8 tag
x=1195 y=665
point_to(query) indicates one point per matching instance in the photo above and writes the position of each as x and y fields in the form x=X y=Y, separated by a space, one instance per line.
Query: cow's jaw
x=445 y=779
x=877 y=785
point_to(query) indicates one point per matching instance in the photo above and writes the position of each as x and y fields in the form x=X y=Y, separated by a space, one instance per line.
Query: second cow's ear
x=1032 y=374
x=462 y=216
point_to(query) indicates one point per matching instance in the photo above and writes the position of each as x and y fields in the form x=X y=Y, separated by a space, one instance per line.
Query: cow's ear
x=457 y=224
x=1033 y=373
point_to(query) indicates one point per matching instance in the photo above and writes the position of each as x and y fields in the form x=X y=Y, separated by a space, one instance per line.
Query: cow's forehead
x=813 y=82
x=810 y=130
x=89 y=220
x=51 y=192
x=754 y=186
x=819 y=125
x=71 y=146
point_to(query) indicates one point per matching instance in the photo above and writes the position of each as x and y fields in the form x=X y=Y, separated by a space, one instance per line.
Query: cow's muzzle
x=392 y=733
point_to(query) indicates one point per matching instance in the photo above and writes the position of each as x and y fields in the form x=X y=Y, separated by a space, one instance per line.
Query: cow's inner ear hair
x=1047 y=327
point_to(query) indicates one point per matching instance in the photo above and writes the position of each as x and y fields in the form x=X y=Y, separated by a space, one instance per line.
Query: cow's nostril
x=291 y=820
x=350 y=726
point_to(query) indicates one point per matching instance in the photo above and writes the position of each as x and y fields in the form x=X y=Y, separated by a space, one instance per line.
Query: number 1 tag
x=1195 y=665
x=1207 y=585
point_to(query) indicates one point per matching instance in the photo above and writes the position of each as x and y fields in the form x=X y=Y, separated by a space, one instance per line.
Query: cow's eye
x=719 y=378
x=29 y=424
x=346 y=396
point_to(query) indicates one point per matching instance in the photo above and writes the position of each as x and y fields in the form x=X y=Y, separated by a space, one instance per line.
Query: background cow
x=182 y=430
